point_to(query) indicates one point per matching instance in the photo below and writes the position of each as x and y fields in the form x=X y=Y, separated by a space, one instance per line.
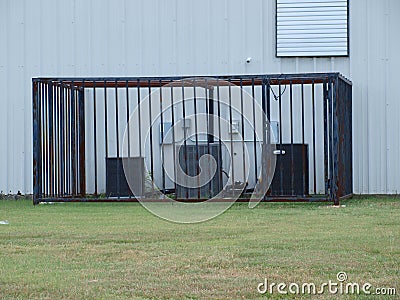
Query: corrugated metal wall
x=116 y=38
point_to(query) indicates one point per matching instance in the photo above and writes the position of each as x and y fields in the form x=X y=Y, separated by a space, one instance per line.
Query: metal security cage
x=86 y=130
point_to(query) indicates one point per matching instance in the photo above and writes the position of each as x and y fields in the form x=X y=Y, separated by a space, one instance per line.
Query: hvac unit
x=117 y=179
x=189 y=163
x=291 y=176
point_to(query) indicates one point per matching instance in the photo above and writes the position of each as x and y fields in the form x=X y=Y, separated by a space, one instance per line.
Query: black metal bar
x=68 y=141
x=330 y=128
x=71 y=137
x=73 y=142
x=264 y=110
x=335 y=142
x=162 y=140
x=254 y=131
x=313 y=138
x=47 y=146
x=128 y=125
x=37 y=164
x=117 y=139
x=326 y=157
x=303 y=146
x=173 y=135
x=43 y=124
x=127 y=118
x=56 y=135
x=268 y=112
x=231 y=139
x=55 y=146
x=62 y=140
x=105 y=119
x=330 y=113
x=184 y=137
x=208 y=114
x=211 y=137
x=59 y=141
x=127 y=122
x=51 y=138
x=151 y=141
x=197 y=139
x=139 y=118
x=219 y=134
x=95 y=139
x=265 y=132
x=243 y=132
x=77 y=140
x=291 y=138
x=81 y=139
x=280 y=141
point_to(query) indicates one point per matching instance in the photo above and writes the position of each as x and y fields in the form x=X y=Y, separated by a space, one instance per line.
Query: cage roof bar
x=244 y=80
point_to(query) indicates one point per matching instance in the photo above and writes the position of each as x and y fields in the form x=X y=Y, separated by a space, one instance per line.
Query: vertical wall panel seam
x=27 y=108
x=367 y=103
x=125 y=39
x=9 y=146
x=159 y=37
x=266 y=35
x=74 y=37
x=228 y=40
x=209 y=54
x=90 y=37
x=362 y=111
x=388 y=151
x=175 y=49
x=243 y=32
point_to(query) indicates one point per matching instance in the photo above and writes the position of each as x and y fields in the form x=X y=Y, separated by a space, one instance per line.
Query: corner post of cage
x=81 y=143
x=349 y=110
x=335 y=141
x=37 y=163
x=345 y=171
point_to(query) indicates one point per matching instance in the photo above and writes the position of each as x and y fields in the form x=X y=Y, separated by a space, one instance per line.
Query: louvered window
x=312 y=28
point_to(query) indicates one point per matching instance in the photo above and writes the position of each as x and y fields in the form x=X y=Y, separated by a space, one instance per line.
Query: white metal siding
x=312 y=28
x=197 y=37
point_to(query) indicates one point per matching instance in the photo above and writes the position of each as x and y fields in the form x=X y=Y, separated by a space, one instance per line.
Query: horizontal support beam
x=221 y=200
x=207 y=82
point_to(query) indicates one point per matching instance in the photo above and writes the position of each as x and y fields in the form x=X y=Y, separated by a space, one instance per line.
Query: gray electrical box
x=274 y=125
x=166 y=133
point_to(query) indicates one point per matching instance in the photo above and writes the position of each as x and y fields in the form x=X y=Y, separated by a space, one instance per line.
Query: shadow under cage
x=192 y=139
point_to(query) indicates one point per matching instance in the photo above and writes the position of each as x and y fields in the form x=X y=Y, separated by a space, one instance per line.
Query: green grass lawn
x=117 y=250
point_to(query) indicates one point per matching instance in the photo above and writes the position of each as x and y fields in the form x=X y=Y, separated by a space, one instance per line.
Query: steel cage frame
x=59 y=128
